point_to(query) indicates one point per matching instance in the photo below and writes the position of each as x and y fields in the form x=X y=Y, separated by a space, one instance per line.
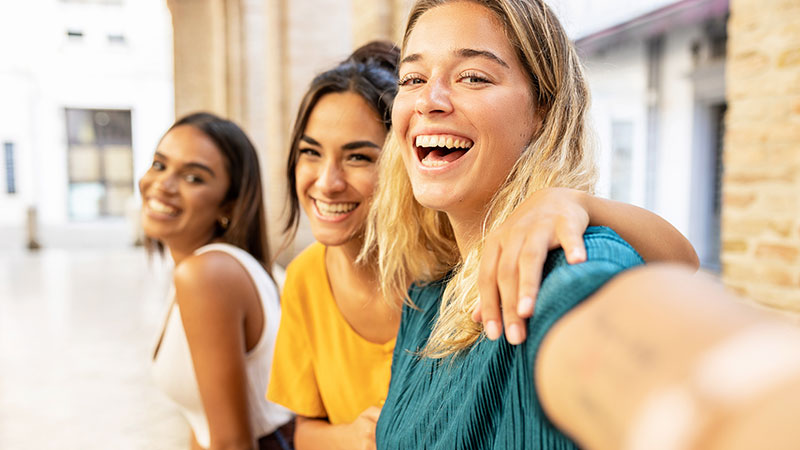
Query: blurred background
x=696 y=107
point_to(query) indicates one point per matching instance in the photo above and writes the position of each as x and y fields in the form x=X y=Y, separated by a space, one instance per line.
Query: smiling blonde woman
x=617 y=356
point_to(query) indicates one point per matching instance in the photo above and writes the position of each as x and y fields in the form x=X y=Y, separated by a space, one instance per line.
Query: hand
x=362 y=430
x=514 y=255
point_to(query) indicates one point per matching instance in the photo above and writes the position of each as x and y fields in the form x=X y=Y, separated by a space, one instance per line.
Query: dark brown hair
x=371 y=72
x=247 y=228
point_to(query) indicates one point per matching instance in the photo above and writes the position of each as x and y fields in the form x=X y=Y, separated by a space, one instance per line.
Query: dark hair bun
x=383 y=53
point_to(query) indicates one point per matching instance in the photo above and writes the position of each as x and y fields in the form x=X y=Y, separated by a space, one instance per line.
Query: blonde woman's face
x=464 y=112
x=336 y=171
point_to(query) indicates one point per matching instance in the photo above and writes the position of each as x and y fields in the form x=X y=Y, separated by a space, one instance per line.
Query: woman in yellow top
x=334 y=347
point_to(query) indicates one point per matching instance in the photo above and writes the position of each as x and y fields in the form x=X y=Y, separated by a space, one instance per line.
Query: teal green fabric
x=485 y=399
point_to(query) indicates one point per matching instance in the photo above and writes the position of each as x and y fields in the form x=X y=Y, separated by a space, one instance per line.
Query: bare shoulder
x=214 y=280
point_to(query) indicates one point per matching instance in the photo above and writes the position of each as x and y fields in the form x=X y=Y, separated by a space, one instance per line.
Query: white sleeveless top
x=173 y=369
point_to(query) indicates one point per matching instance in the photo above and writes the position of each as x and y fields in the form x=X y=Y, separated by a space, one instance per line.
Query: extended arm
x=212 y=291
x=514 y=254
x=663 y=356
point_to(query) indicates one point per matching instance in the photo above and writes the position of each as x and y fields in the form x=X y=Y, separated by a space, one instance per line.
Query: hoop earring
x=224 y=222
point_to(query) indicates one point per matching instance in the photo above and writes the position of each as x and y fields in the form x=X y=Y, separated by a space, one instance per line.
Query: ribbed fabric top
x=486 y=398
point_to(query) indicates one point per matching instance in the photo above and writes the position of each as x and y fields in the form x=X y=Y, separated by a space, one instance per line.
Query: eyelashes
x=469 y=77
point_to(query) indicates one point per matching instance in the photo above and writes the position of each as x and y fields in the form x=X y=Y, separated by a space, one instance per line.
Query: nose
x=331 y=178
x=434 y=98
x=165 y=182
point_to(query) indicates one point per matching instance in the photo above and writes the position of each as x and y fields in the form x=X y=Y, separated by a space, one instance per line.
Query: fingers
x=531 y=264
x=488 y=308
x=569 y=235
x=508 y=273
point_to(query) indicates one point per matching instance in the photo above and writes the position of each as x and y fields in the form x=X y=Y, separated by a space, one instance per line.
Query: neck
x=345 y=256
x=467 y=231
x=182 y=250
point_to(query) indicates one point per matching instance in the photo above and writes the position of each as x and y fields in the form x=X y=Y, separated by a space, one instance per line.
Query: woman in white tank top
x=202 y=202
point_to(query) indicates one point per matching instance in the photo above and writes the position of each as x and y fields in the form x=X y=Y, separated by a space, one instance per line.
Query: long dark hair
x=247 y=228
x=371 y=72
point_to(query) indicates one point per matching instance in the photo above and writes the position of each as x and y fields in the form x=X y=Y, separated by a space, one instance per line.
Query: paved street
x=76 y=332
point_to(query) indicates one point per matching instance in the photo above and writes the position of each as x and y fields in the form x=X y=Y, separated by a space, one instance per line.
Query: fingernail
x=525 y=306
x=514 y=334
x=492 y=330
x=577 y=256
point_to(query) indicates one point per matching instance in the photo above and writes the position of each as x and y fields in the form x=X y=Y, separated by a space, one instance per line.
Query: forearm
x=653 y=237
x=656 y=342
x=313 y=434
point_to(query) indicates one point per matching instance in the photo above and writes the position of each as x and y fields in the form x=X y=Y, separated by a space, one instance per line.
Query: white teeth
x=447 y=141
x=433 y=163
x=334 y=209
x=161 y=207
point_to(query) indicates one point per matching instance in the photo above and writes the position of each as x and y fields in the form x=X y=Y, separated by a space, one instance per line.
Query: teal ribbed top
x=486 y=398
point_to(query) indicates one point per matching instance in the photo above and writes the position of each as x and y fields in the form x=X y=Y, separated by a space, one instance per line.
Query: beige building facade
x=761 y=183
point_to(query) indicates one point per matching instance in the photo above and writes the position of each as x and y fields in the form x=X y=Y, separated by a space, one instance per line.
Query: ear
x=226 y=210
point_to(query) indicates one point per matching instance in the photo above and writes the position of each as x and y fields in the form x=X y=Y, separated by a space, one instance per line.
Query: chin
x=437 y=200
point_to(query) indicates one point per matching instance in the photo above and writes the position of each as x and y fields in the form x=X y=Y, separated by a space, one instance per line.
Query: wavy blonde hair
x=414 y=243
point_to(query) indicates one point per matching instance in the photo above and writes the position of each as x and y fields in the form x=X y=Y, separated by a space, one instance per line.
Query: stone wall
x=761 y=183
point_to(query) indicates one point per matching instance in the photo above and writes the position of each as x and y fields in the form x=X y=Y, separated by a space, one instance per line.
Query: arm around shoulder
x=652 y=236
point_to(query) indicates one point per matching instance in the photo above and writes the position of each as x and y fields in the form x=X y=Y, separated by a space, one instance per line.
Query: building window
x=75 y=35
x=11 y=182
x=100 y=162
x=117 y=39
x=621 y=160
x=713 y=259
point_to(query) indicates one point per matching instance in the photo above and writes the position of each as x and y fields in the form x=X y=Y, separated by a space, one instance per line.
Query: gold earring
x=224 y=222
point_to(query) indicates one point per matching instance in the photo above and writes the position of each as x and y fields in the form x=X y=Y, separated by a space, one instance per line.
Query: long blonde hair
x=414 y=243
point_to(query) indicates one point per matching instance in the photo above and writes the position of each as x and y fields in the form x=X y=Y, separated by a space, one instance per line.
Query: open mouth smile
x=334 y=211
x=157 y=206
x=436 y=150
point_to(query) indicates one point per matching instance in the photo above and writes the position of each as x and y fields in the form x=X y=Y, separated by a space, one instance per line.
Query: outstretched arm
x=664 y=357
x=514 y=254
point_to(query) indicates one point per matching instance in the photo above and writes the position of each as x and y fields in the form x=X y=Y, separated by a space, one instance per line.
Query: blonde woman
x=632 y=364
x=334 y=348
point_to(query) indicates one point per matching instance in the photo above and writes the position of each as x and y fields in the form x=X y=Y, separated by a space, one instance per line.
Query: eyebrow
x=462 y=53
x=360 y=144
x=191 y=165
x=310 y=140
x=473 y=53
x=349 y=146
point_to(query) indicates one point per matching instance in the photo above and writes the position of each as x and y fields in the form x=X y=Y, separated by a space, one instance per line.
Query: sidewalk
x=76 y=332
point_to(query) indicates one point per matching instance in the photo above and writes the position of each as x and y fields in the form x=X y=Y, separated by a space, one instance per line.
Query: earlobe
x=224 y=221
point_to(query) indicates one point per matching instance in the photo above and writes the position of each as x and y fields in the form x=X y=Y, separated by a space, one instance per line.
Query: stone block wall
x=761 y=182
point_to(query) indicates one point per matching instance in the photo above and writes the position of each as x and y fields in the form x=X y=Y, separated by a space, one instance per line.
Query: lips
x=436 y=150
x=334 y=210
x=157 y=206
